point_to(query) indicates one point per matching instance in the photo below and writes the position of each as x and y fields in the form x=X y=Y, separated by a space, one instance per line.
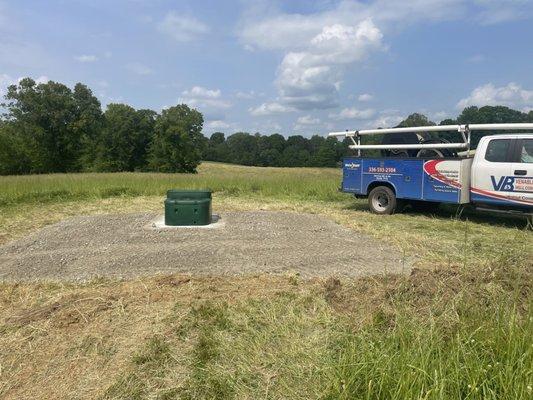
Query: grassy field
x=459 y=327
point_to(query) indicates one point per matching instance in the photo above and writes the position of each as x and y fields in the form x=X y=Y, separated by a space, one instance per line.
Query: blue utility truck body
x=438 y=180
x=499 y=177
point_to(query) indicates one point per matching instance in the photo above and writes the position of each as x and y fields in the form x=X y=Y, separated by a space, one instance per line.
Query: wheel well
x=376 y=184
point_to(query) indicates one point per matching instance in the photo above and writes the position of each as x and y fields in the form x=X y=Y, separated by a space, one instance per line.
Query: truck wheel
x=382 y=200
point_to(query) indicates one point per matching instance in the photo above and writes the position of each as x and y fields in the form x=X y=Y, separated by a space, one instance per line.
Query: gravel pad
x=130 y=245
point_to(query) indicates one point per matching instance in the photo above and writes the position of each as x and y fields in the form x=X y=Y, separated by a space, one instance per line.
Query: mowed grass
x=458 y=327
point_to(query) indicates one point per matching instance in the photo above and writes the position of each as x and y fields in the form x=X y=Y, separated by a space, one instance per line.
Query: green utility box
x=188 y=207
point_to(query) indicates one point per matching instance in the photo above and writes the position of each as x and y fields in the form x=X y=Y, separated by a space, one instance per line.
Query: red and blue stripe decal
x=430 y=168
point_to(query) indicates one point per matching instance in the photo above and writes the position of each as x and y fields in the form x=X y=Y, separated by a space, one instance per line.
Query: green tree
x=53 y=127
x=44 y=115
x=270 y=149
x=294 y=156
x=489 y=115
x=117 y=143
x=87 y=125
x=214 y=150
x=342 y=150
x=277 y=142
x=243 y=148
x=177 y=142
x=143 y=134
x=326 y=156
x=217 y=138
x=299 y=141
x=415 y=119
x=269 y=158
x=14 y=159
x=412 y=120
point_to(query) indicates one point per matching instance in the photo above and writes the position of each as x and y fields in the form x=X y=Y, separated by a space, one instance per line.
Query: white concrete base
x=159 y=223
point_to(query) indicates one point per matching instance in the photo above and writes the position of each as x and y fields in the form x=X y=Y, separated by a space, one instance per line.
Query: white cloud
x=386 y=119
x=273 y=30
x=310 y=79
x=201 y=92
x=265 y=127
x=217 y=124
x=365 y=97
x=201 y=97
x=270 y=109
x=353 y=113
x=318 y=48
x=308 y=120
x=86 y=58
x=246 y=95
x=182 y=28
x=512 y=95
x=139 y=68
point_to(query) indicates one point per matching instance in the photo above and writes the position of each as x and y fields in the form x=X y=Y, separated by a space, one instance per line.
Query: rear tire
x=382 y=201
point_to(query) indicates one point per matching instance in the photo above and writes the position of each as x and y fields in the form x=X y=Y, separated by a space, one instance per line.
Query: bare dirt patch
x=248 y=243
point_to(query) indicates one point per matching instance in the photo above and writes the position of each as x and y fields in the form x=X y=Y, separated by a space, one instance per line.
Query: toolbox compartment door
x=351 y=175
x=446 y=181
x=403 y=174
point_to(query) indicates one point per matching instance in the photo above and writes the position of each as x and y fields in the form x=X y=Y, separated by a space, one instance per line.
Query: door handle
x=520 y=172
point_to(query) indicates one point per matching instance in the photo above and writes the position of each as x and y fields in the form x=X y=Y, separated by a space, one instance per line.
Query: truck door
x=491 y=181
x=522 y=171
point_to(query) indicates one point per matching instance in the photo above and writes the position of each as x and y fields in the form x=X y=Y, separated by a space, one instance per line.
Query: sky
x=291 y=67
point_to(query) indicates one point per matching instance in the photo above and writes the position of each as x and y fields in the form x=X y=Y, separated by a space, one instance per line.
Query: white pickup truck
x=499 y=177
x=502 y=171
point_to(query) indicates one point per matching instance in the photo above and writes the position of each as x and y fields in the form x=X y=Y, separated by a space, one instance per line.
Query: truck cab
x=502 y=172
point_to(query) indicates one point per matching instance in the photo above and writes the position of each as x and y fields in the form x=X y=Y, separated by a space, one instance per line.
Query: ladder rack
x=465 y=131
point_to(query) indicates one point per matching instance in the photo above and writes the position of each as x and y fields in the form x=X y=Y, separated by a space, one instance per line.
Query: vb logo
x=504 y=184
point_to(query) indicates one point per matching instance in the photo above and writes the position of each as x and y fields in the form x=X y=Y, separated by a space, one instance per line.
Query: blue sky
x=294 y=67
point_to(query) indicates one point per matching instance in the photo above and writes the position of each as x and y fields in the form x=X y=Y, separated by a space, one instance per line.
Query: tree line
x=48 y=128
x=274 y=150
x=319 y=151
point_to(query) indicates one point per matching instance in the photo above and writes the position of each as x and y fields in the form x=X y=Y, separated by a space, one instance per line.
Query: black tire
x=400 y=138
x=436 y=153
x=382 y=201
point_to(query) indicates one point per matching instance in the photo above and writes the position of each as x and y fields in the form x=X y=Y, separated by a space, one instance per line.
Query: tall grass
x=303 y=343
x=478 y=356
x=297 y=183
